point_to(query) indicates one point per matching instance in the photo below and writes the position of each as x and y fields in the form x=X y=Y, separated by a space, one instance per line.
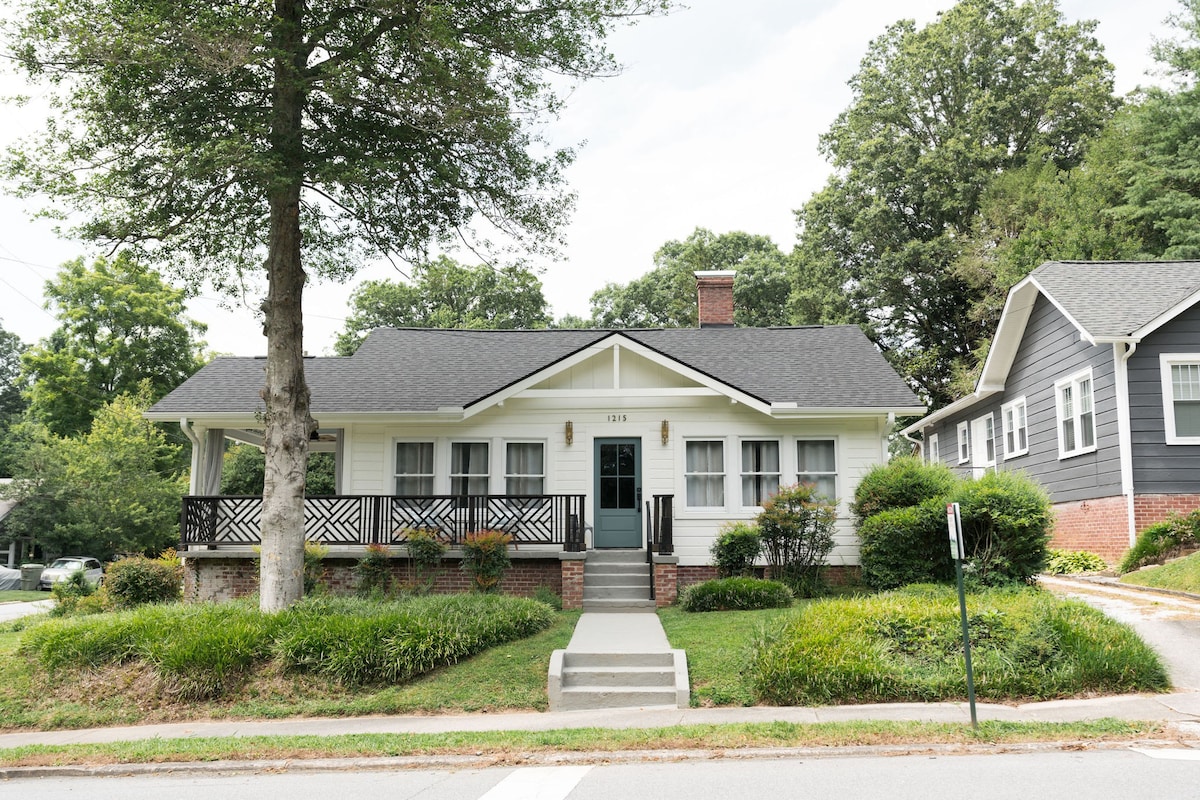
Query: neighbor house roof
x=404 y=370
x=1106 y=301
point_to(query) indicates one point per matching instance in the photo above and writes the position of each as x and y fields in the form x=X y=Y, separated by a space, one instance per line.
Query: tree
x=119 y=325
x=12 y=403
x=110 y=491
x=990 y=86
x=446 y=294
x=665 y=297
x=244 y=472
x=304 y=134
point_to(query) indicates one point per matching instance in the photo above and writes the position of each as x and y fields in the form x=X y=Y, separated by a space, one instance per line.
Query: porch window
x=964 y=442
x=1016 y=433
x=414 y=468
x=816 y=464
x=468 y=468
x=760 y=471
x=1181 y=397
x=704 y=474
x=1076 y=417
x=525 y=468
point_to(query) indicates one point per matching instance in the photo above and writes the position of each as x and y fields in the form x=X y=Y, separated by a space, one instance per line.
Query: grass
x=18 y=596
x=1182 y=574
x=581 y=740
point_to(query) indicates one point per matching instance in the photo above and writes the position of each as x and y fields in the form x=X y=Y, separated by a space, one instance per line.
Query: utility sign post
x=954 y=524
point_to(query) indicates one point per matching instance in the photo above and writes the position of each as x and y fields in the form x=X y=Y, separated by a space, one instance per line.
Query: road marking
x=1169 y=755
x=537 y=783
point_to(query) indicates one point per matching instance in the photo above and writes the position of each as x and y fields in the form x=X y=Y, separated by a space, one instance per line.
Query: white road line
x=537 y=783
x=1169 y=755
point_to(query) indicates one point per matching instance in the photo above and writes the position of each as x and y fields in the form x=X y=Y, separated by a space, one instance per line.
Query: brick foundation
x=1151 y=508
x=1100 y=526
x=571 y=574
x=666 y=582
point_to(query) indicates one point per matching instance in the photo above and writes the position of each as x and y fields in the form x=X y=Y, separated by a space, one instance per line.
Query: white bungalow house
x=573 y=441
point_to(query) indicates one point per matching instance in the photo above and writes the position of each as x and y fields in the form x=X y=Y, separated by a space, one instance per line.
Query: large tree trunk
x=288 y=422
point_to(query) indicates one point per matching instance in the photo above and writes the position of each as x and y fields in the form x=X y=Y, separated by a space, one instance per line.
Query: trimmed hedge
x=735 y=594
x=736 y=548
x=136 y=580
x=901 y=483
x=1006 y=520
x=906 y=545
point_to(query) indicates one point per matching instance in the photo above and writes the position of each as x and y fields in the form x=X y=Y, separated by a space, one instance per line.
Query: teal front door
x=618 y=493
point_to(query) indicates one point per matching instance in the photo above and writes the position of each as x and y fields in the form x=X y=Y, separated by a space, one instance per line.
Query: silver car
x=61 y=569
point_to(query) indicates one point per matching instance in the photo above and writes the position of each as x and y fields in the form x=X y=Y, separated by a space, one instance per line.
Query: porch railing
x=554 y=519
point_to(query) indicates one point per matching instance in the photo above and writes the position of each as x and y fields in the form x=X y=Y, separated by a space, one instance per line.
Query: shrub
x=906 y=545
x=1066 y=562
x=135 y=580
x=1006 y=520
x=901 y=483
x=735 y=549
x=485 y=558
x=545 y=594
x=374 y=572
x=314 y=568
x=1162 y=540
x=735 y=594
x=797 y=535
x=73 y=596
x=426 y=551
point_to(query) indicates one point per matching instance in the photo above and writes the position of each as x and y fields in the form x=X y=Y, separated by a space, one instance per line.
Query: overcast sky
x=714 y=123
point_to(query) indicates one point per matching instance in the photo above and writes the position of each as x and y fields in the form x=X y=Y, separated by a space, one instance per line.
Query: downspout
x=1124 y=432
x=197 y=453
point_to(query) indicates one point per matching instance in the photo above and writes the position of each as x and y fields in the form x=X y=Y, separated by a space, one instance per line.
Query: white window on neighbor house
x=760 y=471
x=1181 y=397
x=704 y=473
x=964 y=442
x=468 y=468
x=983 y=434
x=1016 y=428
x=414 y=468
x=1076 y=414
x=525 y=468
x=816 y=464
x=932 y=454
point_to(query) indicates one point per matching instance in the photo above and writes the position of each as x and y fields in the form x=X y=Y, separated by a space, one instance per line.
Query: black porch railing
x=660 y=523
x=555 y=519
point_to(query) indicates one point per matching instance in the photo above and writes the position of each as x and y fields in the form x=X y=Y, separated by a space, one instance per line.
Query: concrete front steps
x=590 y=681
x=617 y=581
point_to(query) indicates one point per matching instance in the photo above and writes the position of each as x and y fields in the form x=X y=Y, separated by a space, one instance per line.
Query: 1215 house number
x=616 y=417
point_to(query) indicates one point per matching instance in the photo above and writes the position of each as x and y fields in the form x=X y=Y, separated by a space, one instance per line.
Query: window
x=468 y=468
x=704 y=473
x=932 y=454
x=1076 y=419
x=983 y=433
x=816 y=463
x=760 y=471
x=964 y=442
x=414 y=468
x=1181 y=397
x=1016 y=433
x=525 y=468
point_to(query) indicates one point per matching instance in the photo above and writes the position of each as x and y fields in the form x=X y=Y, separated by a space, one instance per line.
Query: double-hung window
x=704 y=473
x=1181 y=397
x=468 y=468
x=1076 y=415
x=1016 y=431
x=932 y=454
x=816 y=464
x=525 y=468
x=760 y=471
x=414 y=468
x=964 y=442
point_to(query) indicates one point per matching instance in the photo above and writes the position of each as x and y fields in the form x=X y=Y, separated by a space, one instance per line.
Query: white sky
x=714 y=123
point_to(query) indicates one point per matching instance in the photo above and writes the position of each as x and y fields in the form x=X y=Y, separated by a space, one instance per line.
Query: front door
x=618 y=493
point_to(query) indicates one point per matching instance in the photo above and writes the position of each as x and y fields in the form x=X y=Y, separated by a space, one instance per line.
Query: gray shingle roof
x=1116 y=298
x=413 y=370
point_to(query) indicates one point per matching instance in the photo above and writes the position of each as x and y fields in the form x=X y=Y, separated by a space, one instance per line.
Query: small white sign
x=954 y=524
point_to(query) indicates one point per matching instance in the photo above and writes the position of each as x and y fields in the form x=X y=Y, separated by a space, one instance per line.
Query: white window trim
x=1006 y=429
x=505 y=474
x=933 y=454
x=742 y=467
x=980 y=460
x=1165 y=362
x=964 y=442
x=1074 y=381
x=396 y=466
x=837 y=463
x=725 y=447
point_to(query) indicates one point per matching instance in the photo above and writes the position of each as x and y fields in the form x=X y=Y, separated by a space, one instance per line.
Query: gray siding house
x=1092 y=387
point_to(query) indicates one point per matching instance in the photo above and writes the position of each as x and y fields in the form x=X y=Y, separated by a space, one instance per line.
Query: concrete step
x=620 y=592
x=616 y=568
x=635 y=677
x=618 y=605
x=572 y=658
x=618 y=579
x=616 y=556
x=582 y=698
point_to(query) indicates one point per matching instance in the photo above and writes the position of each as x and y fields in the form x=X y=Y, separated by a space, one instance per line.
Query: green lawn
x=1182 y=574
x=9 y=595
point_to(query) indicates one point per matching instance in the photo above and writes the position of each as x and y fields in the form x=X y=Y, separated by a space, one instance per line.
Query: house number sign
x=616 y=418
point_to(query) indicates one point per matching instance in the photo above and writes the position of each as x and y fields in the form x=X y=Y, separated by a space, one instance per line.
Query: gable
x=615 y=367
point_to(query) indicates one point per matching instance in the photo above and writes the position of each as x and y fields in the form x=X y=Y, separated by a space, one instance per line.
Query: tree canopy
x=119 y=325
x=446 y=294
x=937 y=113
x=12 y=402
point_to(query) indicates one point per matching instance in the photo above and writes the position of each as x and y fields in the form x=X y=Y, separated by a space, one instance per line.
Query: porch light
x=569 y=432
x=666 y=431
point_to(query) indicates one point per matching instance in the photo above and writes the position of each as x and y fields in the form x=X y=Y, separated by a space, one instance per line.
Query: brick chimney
x=714 y=288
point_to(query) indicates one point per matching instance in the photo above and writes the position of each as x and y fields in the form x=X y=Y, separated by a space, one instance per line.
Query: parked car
x=62 y=569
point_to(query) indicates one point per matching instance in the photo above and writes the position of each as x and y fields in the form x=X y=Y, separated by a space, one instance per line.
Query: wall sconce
x=666 y=431
x=569 y=432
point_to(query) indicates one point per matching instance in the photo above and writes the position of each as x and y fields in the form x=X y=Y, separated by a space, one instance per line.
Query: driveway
x=11 y=611
x=1168 y=623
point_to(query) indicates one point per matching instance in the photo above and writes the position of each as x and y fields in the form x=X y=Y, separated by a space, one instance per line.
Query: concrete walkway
x=618 y=633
